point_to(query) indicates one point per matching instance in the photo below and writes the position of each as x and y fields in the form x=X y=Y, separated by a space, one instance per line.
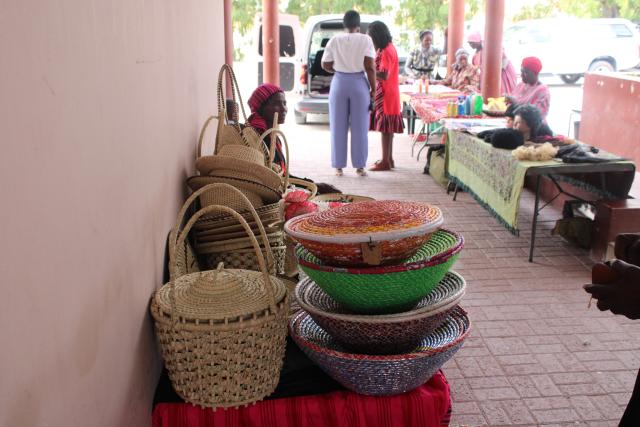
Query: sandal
x=339 y=172
x=379 y=166
x=361 y=172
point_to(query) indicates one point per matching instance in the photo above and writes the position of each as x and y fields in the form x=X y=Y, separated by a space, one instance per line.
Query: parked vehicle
x=290 y=49
x=314 y=82
x=569 y=47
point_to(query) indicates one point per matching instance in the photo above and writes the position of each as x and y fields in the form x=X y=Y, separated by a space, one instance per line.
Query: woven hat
x=240 y=161
x=267 y=194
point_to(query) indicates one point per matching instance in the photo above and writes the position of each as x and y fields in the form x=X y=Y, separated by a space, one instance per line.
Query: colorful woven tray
x=371 y=221
x=380 y=375
x=386 y=289
x=381 y=334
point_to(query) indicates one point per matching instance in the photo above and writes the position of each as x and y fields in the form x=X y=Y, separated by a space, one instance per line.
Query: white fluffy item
x=535 y=152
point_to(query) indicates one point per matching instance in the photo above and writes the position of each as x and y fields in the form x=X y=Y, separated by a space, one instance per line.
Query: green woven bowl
x=386 y=289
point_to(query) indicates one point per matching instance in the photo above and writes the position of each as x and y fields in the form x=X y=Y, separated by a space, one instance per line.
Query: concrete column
x=492 y=49
x=271 y=42
x=228 y=36
x=455 y=30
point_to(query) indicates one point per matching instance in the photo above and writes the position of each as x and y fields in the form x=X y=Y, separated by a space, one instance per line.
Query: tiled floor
x=536 y=355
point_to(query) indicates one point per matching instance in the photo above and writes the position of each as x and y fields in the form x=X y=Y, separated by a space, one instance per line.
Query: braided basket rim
x=384 y=269
x=461 y=313
x=447 y=303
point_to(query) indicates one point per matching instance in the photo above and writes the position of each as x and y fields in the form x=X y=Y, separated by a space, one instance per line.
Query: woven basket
x=386 y=289
x=368 y=233
x=245 y=259
x=380 y=375
x=268 y=214
x=381 y=334
x=249 y=188
x=222 y=333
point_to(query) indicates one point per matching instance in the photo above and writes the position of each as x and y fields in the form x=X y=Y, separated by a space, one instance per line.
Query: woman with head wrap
x=464 y=76
x=530 y=90
x=424 y=59
x=508 y=77
x=264 y=102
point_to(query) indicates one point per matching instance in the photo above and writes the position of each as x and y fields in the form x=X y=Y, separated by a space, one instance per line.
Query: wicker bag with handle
x=222 y=332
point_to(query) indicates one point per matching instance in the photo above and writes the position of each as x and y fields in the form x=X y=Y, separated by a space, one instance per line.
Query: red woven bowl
x=377 y=232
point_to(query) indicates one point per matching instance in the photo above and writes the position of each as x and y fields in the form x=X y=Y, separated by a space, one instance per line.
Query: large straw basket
x=269 y=214
x=377 y=232
x=386 y=289
x=380 y=375
x=381 y=334
x=222 y=332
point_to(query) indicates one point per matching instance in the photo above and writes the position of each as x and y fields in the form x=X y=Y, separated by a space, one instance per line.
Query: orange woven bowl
x=377 y=232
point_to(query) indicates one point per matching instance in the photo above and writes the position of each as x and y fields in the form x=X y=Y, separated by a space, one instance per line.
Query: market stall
x=495 y=178
x=282 y=307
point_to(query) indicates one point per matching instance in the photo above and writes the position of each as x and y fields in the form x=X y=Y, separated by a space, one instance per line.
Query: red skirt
x=381 y=122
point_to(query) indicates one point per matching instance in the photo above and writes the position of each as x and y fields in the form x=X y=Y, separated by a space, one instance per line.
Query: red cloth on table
x=426 y=406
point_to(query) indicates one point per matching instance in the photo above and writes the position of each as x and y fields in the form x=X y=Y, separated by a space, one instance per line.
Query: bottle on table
x=467 y=106
x=478 y=102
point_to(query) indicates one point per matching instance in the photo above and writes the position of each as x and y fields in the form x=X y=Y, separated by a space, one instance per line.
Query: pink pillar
x=455 y=32
x=228 y=36
x=492 y=49
x=271 y=42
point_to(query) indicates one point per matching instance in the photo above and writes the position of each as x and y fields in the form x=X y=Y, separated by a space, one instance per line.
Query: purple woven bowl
x=381 y=334
x=380 y=375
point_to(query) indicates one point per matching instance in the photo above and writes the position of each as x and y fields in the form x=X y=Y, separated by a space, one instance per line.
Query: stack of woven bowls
x=219 y=238
x=379 y=303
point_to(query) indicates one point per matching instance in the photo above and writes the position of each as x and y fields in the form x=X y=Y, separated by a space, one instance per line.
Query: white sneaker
x=361 y=172
x=339 y=172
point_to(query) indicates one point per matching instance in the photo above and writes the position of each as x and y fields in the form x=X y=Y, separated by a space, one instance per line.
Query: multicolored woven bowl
x=377 y=232
x=386 y=289
x=380 y=375
x=381 y=334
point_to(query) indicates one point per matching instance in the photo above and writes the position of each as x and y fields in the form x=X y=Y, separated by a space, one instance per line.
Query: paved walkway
x=536 y=355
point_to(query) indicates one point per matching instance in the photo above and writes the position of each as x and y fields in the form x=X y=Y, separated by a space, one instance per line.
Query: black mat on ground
x=299 y=377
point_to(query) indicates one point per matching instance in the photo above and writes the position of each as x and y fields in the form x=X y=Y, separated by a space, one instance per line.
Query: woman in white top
x=351 y=57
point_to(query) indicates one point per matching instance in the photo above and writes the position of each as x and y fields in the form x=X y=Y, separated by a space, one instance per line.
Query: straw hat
x=240 y=161
x=267 y=194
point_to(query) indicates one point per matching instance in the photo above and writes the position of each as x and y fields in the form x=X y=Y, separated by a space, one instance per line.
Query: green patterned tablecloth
x=491 y=175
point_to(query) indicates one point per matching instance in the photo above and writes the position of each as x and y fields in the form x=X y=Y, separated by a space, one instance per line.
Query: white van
x=314 y=81
x=569 y=47
x=290 y=49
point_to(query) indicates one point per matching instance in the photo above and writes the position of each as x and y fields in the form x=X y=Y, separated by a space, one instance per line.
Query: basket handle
x=235 y=90
x=306 y=184
x=210 y=187
x=272 y=152
x=252 y=237
x=202 y=134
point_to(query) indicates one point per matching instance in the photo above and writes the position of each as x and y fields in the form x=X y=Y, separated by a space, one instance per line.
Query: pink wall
x=611 y=113
x=100 y=105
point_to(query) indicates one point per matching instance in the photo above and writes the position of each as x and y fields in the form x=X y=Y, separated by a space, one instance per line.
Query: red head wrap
x=532 y=63
x=261 y=95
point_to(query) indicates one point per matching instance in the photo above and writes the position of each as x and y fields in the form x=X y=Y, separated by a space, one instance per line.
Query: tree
x=629 y=9
x=244 y=12
x=422 y=14
x=306 y=8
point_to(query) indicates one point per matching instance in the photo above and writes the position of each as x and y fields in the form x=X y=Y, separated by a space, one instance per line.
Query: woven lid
x=371 y=221
x=219 y=295
x=448 y=292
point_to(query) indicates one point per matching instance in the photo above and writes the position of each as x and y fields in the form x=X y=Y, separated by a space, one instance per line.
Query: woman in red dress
x=386 y=116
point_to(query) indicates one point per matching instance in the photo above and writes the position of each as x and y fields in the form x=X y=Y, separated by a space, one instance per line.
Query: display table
x=306 y=396
x=429 y=108
x=496 y=179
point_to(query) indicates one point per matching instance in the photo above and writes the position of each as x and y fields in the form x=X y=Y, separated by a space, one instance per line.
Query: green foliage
x=307 y=8
x=629 y=9
x=422 y=14
x=244 y=13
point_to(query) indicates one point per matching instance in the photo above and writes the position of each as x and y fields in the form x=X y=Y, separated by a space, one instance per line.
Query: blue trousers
x=349 y=109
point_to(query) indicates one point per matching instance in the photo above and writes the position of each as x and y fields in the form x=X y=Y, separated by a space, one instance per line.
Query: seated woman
x=528 y=121
x=264 y=102
x=530 y=90
x=464 y=76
